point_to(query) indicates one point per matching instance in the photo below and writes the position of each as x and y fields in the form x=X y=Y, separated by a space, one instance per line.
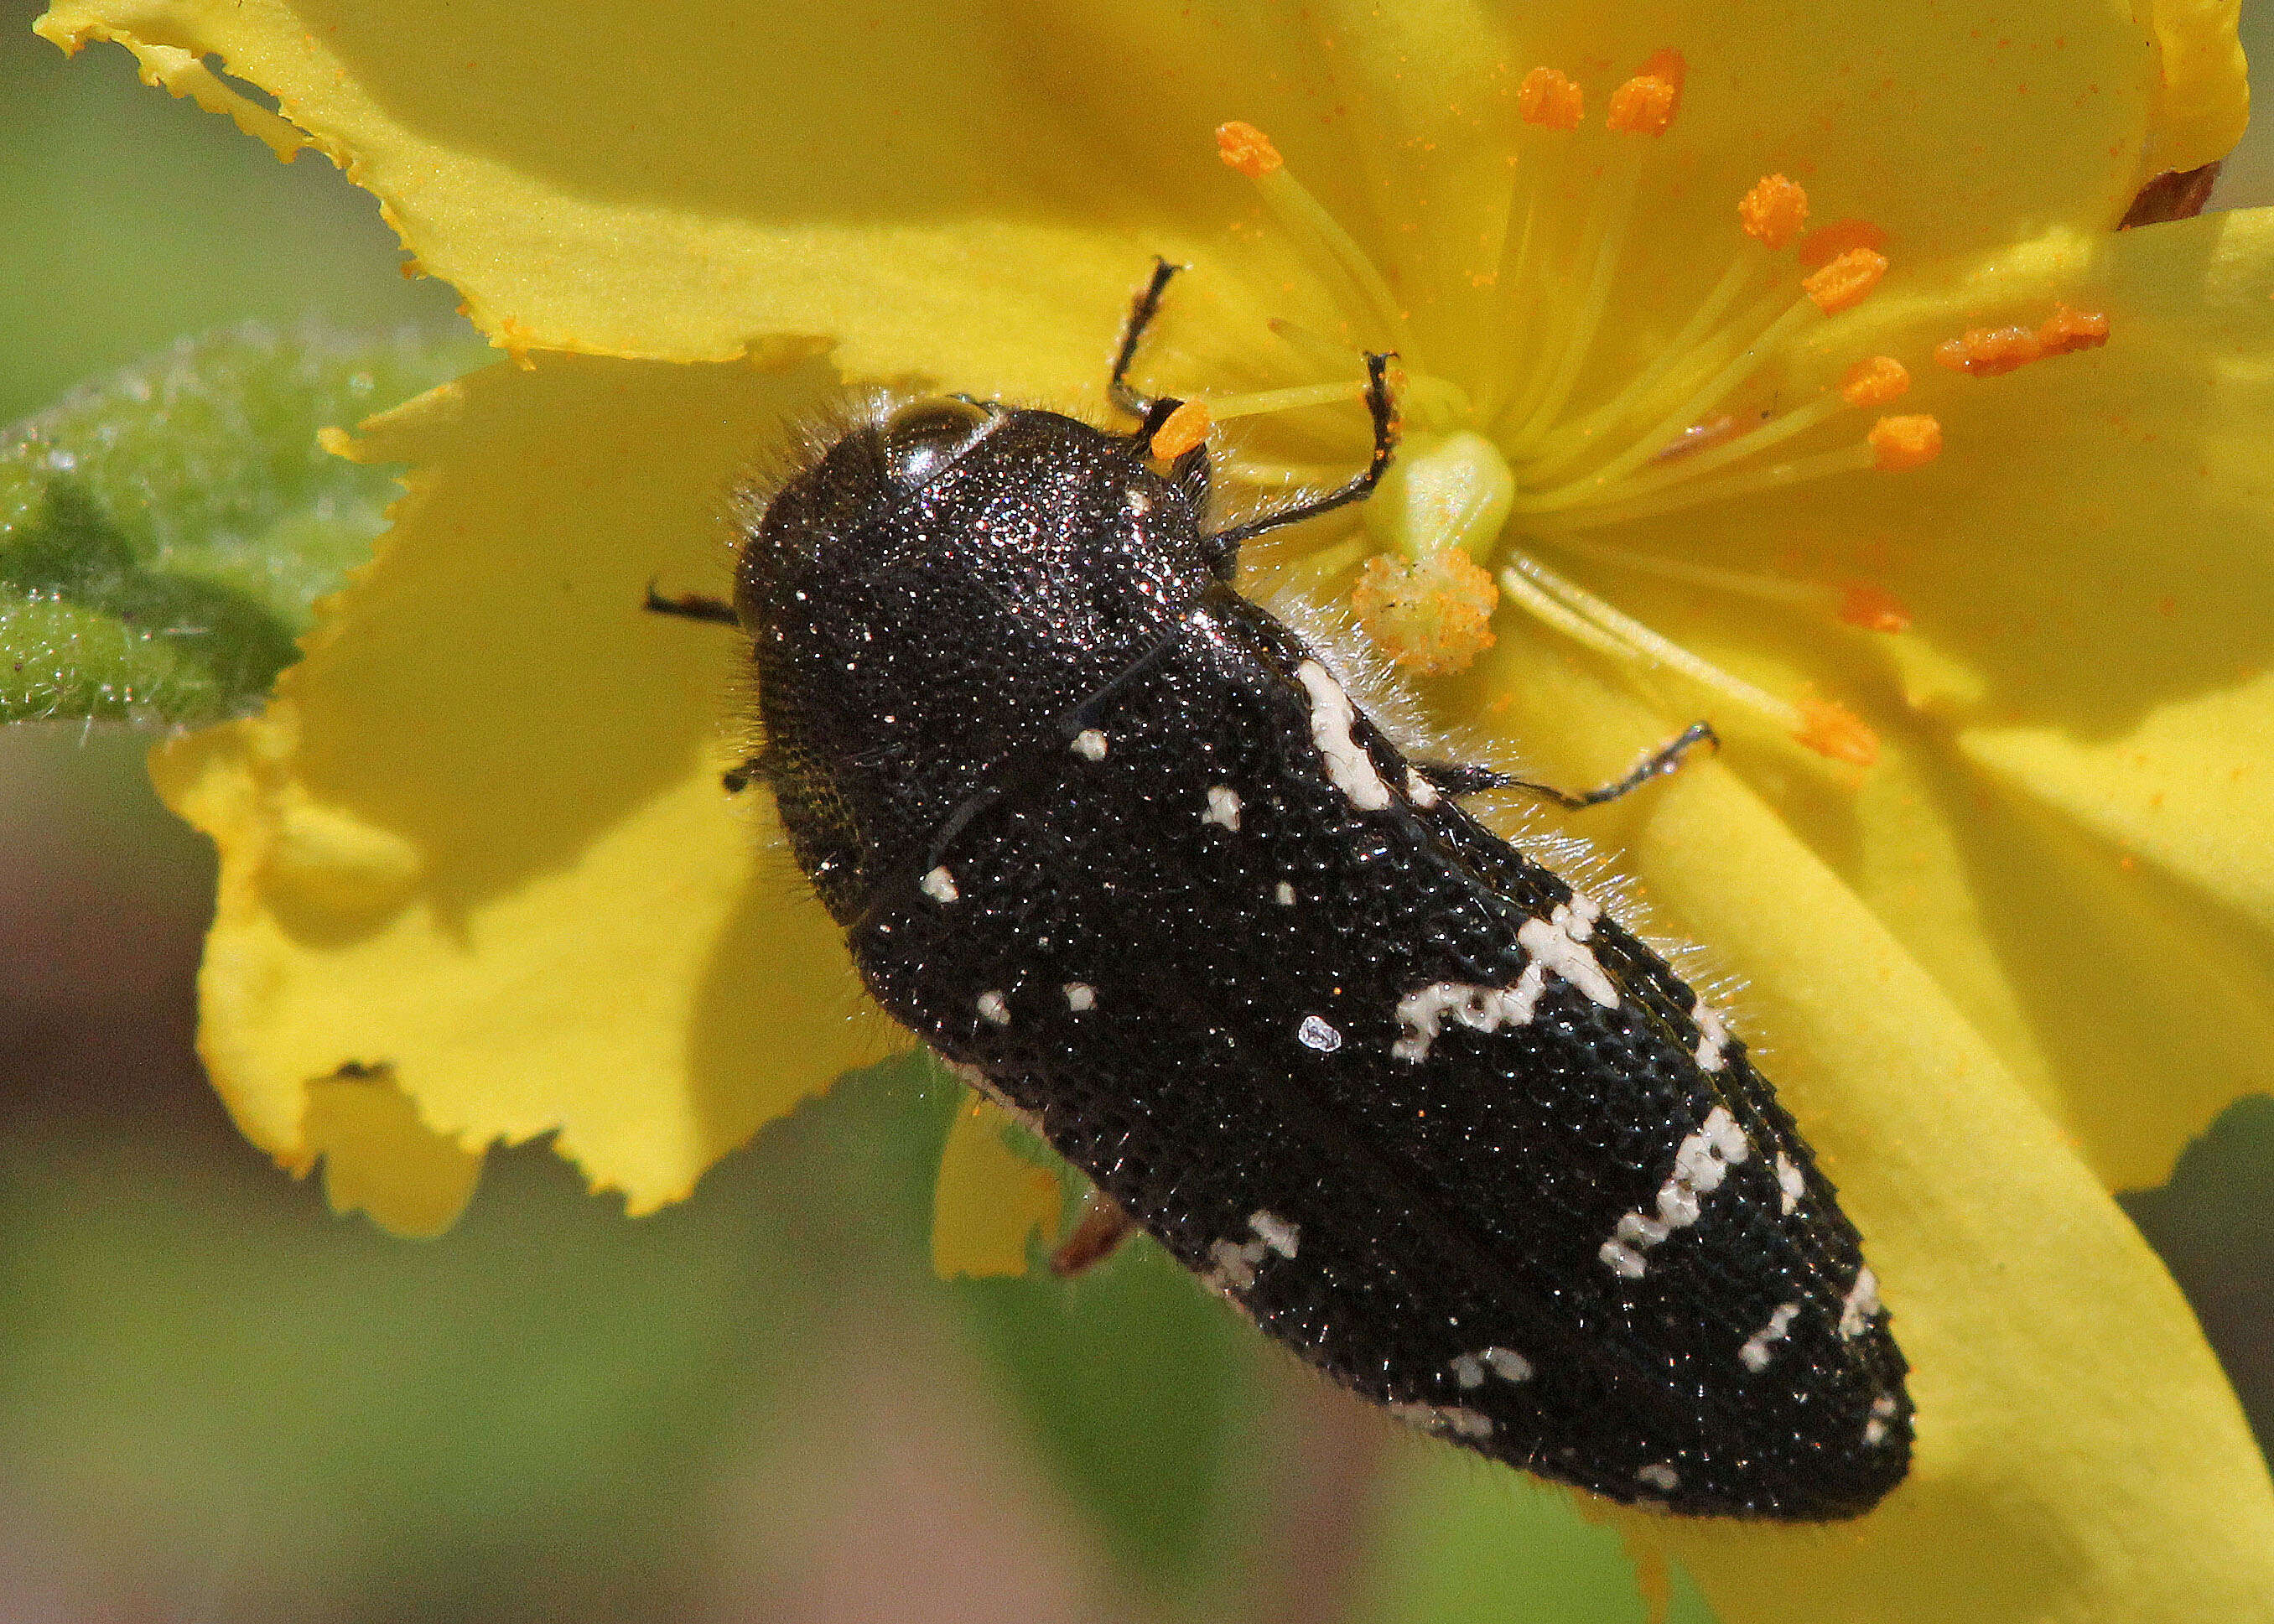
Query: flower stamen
x=1842 y=282
x=1867 y=608
x=1183 y=428
x=1223 y=408
x=1315 y=233
x=1820 y=726
x=1874 y=381
x=1773 y=211
x=1646 y=103
x=1550 y=99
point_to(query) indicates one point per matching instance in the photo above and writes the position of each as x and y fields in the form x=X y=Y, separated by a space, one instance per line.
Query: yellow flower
x=478 y=882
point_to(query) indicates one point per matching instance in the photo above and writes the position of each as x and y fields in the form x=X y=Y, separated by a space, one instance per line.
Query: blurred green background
x=217 y=1401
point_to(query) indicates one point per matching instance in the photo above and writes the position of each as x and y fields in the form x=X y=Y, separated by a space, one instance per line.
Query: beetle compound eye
x=922 y=439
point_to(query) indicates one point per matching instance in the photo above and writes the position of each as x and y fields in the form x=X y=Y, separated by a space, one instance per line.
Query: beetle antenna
x=1142 y=309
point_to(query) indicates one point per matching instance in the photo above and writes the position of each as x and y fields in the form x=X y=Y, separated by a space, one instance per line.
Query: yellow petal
x=2080 y=1454
x=2190 y=788
x=2203 y=97
x=972 y=194
x=479 y=840
x=2084 y=569
x=379 y=1158
x=990 y=1202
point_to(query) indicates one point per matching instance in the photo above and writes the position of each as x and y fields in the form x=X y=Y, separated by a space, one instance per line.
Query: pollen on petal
x=1432 y=614
x=1773 y=211
x=1643 y=106
x=1185 y=427
x=1874 y=381
x=2067 y=330
x=1841 y=283
x=1988 y=352
x=1835 y=731
x=1825 y=243
x=1898 y=443
x=1247 y=149
x=1549 y=98
x=1873 y=608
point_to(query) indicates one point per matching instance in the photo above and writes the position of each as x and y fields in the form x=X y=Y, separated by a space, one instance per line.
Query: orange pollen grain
x=1185 y=427
x=1835 y=731
x=1432 y=614
x=1827 y=243
x=1247 y=149
x=1842 y=282
x=1874 y=381
x=1549 y=98
x=1874 y=608
x=1643 y=106
x=1898 y=443
x=1988 y=352
x=2067 y=330
x=1773 y=211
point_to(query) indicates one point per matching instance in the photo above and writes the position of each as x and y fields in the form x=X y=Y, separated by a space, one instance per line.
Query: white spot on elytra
x=1469 y=1369
x=1455 y=1418
x=1349 y=767
x=1090 y=744
x=1875 y=1429
x=1418 y=790
x=1274 y=1232
x=1713 y=1036
x=1755 y=1353
x=1080 y=996
x=1316 y=1033
x=1623 y=1261
x=1701 y=1161
x=1223 y=807
x=1233 y=1265
x=939 y=885
x=1507 y=1363
x=1861 y=1303
x=1284 y=895
x=1140 y=503
x=1558 y=942
x=1481 y=1009
x=1789 y=1181
x=994 y=1007
x=1658 y=1474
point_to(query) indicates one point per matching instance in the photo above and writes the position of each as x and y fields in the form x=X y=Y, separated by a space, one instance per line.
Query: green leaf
x=164 y=534
x=1139 y=1388
x=1459 y=1542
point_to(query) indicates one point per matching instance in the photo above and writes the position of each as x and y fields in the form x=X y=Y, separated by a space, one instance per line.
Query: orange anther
x=1874 y=608
x=1874 y=381
x=1843 y=283
x=1987 y=352
x=1669 y=64
x=1643 y=106
x=1773 y=211
x=2067 y=330
x=1550 y=99
x=1898 y=443
x=1827 y=243
x=1432 y=614
x=1185 y=427
x=1835 y=731
x=1247 y=149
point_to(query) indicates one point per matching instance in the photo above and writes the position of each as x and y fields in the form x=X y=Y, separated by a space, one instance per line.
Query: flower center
x=1531 y=447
